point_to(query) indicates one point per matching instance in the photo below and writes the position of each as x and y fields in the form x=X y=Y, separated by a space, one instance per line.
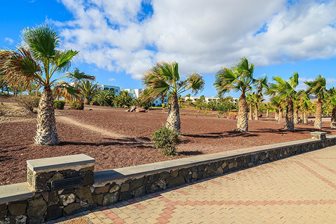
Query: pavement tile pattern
x=300 y=189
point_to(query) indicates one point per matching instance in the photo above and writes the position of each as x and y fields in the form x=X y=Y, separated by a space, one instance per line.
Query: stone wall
x=58 y=188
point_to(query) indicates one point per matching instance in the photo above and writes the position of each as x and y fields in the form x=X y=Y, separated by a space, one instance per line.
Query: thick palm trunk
x=276 y=115
x=46 y=133
x=173 y=120
x=318 y=115
x=289 y=124
x=242 y=122
x=250 y=112
x=86 y=101
x=333 y=119
x=256 y=113
x=305 y=117
x=280 y=116
x=296 y=116
x=267 y=113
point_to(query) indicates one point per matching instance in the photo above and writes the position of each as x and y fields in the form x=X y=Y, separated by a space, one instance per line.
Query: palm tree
x=277 y=104
x=332 y=101
x=239 y=78
x=164 y=79
x=87 y=90
x=318 y=87
x=260 y=84
x=38 y=60
x=286 y=91
x=304 y=104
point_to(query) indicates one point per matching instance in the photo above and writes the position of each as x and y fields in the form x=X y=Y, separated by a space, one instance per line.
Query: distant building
x=194 y=98
x=135 y=93
x=158 y=101
x=108 y=87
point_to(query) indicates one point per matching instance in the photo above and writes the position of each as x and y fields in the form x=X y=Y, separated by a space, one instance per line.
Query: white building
x=194 y=98
x=135 y=93
x=108 y=87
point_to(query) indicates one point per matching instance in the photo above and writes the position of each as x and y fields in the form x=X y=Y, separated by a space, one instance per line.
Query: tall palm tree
x=286 y=91
x=38 y=60
x=260 y=84
x=164 y=79
x=239 y=78
x=318 y=87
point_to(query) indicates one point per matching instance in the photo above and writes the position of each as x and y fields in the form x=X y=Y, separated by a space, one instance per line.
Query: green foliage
x=76 y=105
x=124 y=99
x=239 y=78
x=165 y=140
x=104 y=98
x=59 y=104
x=28 y=102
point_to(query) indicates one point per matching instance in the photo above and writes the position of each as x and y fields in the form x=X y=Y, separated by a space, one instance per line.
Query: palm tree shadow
x=141 y=142
x=217 y=135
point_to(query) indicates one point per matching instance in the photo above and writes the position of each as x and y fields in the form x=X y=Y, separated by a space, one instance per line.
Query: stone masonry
x=62 y=186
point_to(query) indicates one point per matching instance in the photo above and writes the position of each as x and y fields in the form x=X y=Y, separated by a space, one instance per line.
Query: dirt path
x=101 y=131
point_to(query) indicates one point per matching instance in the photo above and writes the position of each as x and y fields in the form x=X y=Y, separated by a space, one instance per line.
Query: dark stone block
x=84 y=194
x=175 y=181
x=102 y=190
x=72 y=208
x=135 y=183
x=125 y=195
x=17 y=208
x=66 y=183
x=54 y=212
x=3 y=211
x=37 y=208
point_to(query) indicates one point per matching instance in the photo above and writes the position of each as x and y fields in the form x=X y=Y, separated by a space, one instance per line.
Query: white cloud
x=201 y=35
x=9 y=41
x=111 y=79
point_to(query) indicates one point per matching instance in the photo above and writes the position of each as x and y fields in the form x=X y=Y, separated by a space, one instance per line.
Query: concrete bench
x=320 y=135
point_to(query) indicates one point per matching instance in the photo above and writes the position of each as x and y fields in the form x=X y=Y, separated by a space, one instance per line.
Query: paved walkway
x=300 y=189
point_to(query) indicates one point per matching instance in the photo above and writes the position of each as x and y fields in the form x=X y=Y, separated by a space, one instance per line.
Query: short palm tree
x=304 y=104
x=277 y=104
x=318 y=88
x=332 y=102
x=239 y=78
x=38 y=60
x=286 y=91
x=87 y=90
x=164 y=79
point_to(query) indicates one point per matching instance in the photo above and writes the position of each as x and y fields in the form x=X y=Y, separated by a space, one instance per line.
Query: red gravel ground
x=201 y=134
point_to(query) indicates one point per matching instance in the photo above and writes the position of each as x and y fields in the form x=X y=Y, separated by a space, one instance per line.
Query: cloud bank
x=131 y=36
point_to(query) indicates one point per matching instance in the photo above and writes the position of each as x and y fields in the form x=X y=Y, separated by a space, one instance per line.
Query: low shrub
x=59 y=104
x=28 y=102
x=76 y=105
x=165 y=140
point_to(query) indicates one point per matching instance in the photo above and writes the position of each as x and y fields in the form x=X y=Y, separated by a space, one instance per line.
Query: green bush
x=59 y=104
x=76 y=105
x=165 y=140
x=28 y=102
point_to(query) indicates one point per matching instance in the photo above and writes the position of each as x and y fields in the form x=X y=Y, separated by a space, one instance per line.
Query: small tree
x=318 y=87
x=285 y=90
x=239 y=78
x=38 y=60
x=164 y=79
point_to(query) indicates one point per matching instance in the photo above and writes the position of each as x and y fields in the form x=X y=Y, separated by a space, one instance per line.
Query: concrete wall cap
x=60 y=163
x=15 y=192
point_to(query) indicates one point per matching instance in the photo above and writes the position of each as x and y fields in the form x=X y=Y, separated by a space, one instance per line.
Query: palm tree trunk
x=267 y=113
x=280 y=116
x=289 y=125
x=305 y=117
x=333 y=118
x=276 y=115
x=242 y=122
x=296 y=116
x=250 y=112
x=256 y=115
x=86 y=101
x=46 y=133
x=173 y=120
x=318 y=115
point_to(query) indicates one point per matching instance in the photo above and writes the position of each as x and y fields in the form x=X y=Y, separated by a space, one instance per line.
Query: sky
x=119 y=40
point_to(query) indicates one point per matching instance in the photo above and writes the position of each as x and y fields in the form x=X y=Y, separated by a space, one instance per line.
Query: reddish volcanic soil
x=94 y=132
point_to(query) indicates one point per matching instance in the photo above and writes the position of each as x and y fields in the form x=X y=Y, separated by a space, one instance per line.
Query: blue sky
x=119 y=40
